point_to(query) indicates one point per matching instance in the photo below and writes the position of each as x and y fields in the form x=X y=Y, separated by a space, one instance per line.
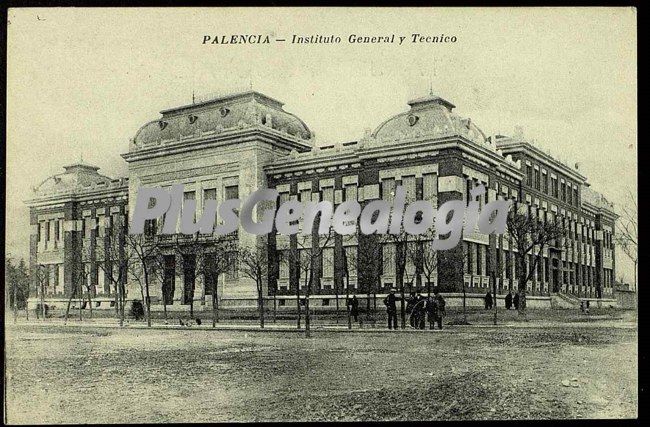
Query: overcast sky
x=81 y=82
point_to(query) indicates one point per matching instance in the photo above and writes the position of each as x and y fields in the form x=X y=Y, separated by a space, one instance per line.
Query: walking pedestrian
x=391 y=309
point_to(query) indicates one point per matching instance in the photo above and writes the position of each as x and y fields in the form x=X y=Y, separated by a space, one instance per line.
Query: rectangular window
x=389 y=259
x=284 y=265
x=408 y=182
x=545 y=183
x=328 y=194
x=56 y=230
x=38 y=231
x=537 y=179
x=575 y=197
x=350 y=192
x=233 y=267
x=430 y=188
x=388 y=189
x=351 y=255
x=210 y=194
x=554 y=187
x=47 y=231
x=189 y=195
x=328 y=262
x=529 y=175
x=563 y=192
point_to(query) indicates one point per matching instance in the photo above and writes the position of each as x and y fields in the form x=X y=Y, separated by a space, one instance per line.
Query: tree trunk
x=307 y=317
x=347 y=298
x=464 y=303
x=123 y=305
x=260 y=303
x=494 y=292
x=307 y=313
x=400 y=281
x=120 y=303
x=336 y=294
x=215 y=301
x=43 y=302
x=67 y=310
x=81 y=298
x=90 y=303
x=275 y=306
x=15 y=289
x=147 y=298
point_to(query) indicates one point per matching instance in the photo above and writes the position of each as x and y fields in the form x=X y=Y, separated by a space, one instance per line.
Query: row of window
x=539 y=179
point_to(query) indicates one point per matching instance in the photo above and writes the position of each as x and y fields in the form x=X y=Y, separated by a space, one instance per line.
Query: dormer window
x=193 y=119
x=163 y=124
x=224 y=111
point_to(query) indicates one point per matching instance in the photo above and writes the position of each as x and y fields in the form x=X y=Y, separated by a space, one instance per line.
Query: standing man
x=488 y=300
x=391 y=309
x=421 y=310
x=515 y=301
x=354 y=308
x=432 y=307
x=440 y=308
x=509 y=300
x=409 y=308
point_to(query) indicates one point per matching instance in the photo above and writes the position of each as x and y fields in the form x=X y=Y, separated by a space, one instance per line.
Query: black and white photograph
x=295 y=214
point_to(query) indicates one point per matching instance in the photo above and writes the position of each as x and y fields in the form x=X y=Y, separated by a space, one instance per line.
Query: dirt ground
x=73 y=374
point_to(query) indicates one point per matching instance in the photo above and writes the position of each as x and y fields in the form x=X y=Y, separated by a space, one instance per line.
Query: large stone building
x=228 y=147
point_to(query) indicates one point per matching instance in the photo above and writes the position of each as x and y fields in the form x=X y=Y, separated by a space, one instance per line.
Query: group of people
x=512 y=301
x=420 y=310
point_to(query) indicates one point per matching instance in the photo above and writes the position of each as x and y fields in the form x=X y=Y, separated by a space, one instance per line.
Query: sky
x=81 y=82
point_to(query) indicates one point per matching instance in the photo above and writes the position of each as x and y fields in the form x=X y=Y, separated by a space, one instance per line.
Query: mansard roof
x=233 y=111
x=429 y=115
x=78 y=178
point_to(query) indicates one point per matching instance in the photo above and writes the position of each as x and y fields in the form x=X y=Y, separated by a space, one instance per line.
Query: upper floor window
x=553 y=187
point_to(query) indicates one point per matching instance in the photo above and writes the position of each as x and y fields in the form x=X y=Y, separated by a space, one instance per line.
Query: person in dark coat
x=432 y=307
x=410 y=303
x=509 y=301
x=420 y=312
x=440 y=308
x=354 y=307
x=515 y=301
x=488 y=300
x=391 y=309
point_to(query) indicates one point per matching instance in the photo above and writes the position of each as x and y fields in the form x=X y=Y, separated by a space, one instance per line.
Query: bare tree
x=627 y=234
x=79 y=278
x=220 y=256
x=113 y=256
x=424 y=256
x=401 y=242
x=41 y=278
x=349 y=263
x=304 y=256
x=530 y=235
x=143 y=264
x=254 y=265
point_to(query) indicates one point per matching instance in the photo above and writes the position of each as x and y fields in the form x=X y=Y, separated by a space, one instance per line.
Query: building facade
x=229 y=146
